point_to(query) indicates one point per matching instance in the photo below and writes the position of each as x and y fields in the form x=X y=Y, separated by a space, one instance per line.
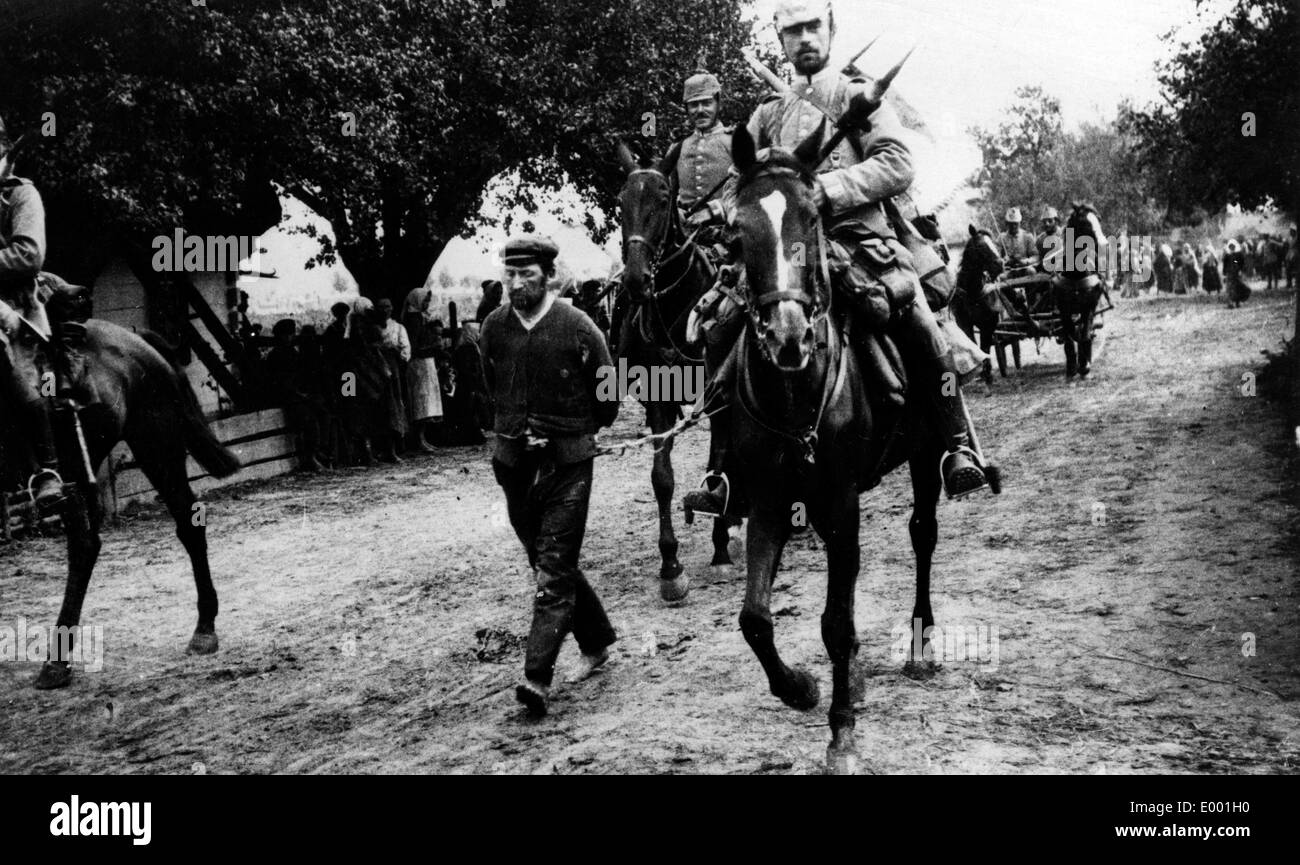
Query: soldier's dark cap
x=525 y=249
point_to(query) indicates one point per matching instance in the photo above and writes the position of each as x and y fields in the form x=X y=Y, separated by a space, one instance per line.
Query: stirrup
x=55 y=478
x=703 y=492
x=979 y=467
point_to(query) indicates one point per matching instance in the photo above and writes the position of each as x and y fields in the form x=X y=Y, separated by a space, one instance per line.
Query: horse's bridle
x=655 y=249
x=655 y=264
x=800 y=295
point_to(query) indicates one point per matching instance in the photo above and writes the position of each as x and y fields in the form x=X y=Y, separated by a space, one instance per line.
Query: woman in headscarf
x=422 y=372
x=1210 y=274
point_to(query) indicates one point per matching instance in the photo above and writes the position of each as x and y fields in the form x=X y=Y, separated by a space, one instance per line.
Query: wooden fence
x=261 y=440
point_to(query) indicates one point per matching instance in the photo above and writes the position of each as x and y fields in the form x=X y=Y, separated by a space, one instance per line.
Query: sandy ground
x=1150 y=514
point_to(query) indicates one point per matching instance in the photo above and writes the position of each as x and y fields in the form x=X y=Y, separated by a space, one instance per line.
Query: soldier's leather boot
x=713 y=498
x=46 y=485
x=960 y=468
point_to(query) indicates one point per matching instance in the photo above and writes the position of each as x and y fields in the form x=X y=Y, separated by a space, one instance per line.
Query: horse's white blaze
x=1096 y=229
x=988 y=244
x=774 y=206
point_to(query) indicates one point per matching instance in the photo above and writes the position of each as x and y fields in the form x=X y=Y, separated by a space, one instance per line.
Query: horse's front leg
x=82 y=517
x=769 y=529
x=1087 y=324
x=1066 y=317
x=673 y=582
x=924 y=530
x=839 y=529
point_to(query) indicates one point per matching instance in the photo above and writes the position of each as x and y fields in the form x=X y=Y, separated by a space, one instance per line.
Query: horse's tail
x=216 y=459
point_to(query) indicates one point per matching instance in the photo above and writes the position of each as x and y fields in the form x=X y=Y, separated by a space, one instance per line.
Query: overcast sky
x=973 y=54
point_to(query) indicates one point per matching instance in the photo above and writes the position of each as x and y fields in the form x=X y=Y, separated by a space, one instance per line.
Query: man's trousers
x=547 y=504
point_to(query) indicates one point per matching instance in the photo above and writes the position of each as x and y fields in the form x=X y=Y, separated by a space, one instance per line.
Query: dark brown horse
x=975 y=305
x=810 y=435
x=664 y=274
x=1079 y=287
x=135 y=393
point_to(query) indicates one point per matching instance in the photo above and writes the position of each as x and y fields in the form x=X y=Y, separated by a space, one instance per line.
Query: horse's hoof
x=841 y=761
x=202 y=644
x=53 y=675
x=804 y=693
x=674 y=591
x=721 y=559
x=920 y=670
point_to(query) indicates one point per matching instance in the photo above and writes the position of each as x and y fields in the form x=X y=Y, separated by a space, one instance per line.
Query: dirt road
x=1150 y=514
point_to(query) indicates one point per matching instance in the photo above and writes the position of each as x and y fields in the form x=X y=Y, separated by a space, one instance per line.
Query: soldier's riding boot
x=46 y=485
x=961 y=469
x=716 y=496
x=927 y=352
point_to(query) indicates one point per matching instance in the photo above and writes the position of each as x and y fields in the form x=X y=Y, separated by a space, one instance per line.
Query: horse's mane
x=967 y=263
x=779 y=161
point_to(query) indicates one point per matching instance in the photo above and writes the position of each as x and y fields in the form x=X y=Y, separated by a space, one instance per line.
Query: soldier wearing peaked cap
x=541 y=362
x=853 y=185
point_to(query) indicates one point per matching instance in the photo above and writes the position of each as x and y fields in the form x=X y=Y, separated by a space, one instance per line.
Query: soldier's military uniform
x=1018 y=246
x=868 y=261
x=1044 y=241
x=22 y=253
x=703 y=158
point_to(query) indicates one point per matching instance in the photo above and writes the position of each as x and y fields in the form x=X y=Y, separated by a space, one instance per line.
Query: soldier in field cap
x=541 y=360
x=703 y=158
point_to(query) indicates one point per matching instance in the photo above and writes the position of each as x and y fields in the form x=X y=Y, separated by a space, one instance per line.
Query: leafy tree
x=1030 y=160
x=1229 y=128
x=388 y=117
x=1018 y=155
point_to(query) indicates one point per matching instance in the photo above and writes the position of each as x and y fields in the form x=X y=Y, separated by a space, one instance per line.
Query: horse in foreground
x=134 y=392
x=664 y=274
x=809 y=433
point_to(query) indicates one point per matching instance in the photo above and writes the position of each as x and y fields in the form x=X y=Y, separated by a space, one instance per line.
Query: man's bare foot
x=589 y=666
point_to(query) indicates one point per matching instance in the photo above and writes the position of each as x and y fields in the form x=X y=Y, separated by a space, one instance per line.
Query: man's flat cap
x=525 y=249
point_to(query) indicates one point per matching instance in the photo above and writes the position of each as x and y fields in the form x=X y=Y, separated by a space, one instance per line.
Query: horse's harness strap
x=784 y=294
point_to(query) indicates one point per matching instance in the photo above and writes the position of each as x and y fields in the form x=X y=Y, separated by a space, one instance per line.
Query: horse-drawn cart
x=1029 y=310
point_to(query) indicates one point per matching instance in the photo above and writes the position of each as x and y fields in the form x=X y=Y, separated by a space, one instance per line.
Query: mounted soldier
x=703 y=158
x=854 y=191
x=43 y=306
x=1050 y=223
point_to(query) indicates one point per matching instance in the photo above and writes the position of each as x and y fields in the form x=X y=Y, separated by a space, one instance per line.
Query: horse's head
x=781 y=247
x=646 y=211
x=1083 y=222
x=981 y=258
